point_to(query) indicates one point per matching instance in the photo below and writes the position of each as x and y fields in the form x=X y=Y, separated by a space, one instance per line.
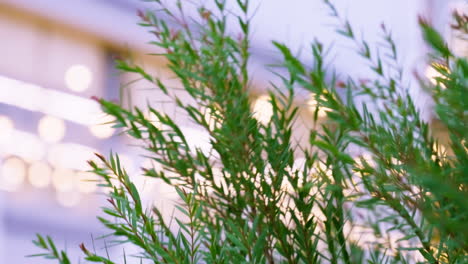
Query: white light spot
x=78 y=78
x=212 y=118
x=102 y=127
x=86 y=182
x=263 y=110
x=51 y=129
x=39 y=174
x=12 y=174
x=62 y=179
x=313 y=104
x=434 y=76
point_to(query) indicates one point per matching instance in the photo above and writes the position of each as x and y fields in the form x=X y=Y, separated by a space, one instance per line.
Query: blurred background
x=55 y=55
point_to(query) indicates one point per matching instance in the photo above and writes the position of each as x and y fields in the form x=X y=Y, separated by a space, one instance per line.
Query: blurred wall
x=49 y=127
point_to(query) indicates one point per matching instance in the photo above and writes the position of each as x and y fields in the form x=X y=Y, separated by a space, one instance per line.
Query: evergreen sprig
x=248 y=200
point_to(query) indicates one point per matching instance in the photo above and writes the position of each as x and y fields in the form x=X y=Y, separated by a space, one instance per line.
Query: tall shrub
x=247 y=201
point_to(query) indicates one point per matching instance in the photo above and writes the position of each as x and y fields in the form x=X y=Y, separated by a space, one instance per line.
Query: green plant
x=246 y=201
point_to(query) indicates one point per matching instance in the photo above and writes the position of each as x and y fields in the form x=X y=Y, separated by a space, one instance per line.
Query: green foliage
x=247 y=201
x=48 y=245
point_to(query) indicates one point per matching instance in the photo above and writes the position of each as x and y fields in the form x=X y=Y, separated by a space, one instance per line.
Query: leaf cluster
x=248 y=200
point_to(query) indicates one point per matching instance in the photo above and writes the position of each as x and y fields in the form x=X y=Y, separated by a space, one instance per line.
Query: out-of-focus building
x=55 y=55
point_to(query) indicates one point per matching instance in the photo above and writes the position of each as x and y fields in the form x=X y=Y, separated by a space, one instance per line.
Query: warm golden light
x=313 y=104
x=434 y=76
x=440 y=152
x=263 y=110
x=12 y=175
x=51 y=129
x=78 y=78
x=6 y=128
x=102 y=128
x=39 y=174
x=63 y=179
x=68 y=199
x=212 y=119
x=86 y=182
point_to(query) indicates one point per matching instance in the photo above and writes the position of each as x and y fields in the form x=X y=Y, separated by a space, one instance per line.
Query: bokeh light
x=86 y=182
x=13 y=173
x=39 y=174
x=263 y=110
x=78 y=78
x=63 y=179
x=102 y=128
x=312 y=104
x=51 y=129
x=434 y=75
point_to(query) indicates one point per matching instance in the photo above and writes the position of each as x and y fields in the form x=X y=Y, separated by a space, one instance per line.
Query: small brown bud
x=364 y=81
x=423 y=21
x=205 y=14
x=340 y=84
x=100 y=157
x=240 y=37
x=84 y=249
x=383 y=27
x=174 y=34
x=143 y=16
